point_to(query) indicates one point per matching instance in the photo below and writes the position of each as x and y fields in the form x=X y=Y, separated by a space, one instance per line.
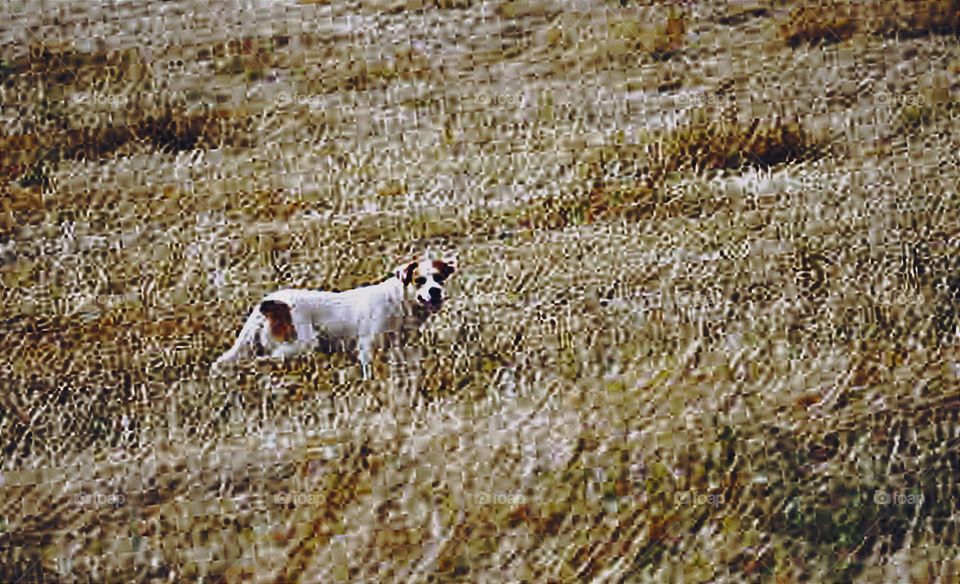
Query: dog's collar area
x=432 y=308
x=424 y=309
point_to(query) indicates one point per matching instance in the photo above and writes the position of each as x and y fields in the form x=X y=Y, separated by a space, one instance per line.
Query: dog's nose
x=436 y=295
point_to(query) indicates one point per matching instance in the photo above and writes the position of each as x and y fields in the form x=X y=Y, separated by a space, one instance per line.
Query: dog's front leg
x=288 y=350
x=365 y=350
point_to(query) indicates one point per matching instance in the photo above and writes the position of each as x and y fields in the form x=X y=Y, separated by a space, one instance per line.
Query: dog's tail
x=244 y=346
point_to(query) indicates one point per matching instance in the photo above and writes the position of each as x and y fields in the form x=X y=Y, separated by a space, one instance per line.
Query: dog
x=294 y=321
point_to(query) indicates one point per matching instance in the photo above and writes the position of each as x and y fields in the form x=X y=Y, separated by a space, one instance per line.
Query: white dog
x=294 y=321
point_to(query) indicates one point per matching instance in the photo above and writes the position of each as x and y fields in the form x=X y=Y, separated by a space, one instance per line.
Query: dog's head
x=425 y=280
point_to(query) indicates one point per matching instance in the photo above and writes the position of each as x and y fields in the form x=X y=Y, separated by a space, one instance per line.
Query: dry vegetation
x=838 y=21
x=705 y=327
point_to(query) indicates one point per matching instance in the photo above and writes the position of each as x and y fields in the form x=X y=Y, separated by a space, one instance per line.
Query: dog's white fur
x=294 y=321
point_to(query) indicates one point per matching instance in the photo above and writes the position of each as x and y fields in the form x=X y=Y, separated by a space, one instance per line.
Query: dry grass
x=65 y=67
x=838 y=21
x=342 y=70
x=166 y=130
x=89 y=106
x=630 y=181
x=628 y=41
x=699 y=343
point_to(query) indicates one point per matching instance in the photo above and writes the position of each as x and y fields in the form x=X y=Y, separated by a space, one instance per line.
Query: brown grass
x=167 y=130
x=340 y=69
x=65 y=66
x=638 y=194
x=629 y=40
x=814 y=24
x=839 y=21
x=670 y=345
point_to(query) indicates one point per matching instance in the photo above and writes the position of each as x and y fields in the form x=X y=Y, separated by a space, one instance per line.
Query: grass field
x=705 y=326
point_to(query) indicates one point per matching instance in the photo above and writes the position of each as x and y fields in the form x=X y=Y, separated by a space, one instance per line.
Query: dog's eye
x=439 y=278
x=420 y=281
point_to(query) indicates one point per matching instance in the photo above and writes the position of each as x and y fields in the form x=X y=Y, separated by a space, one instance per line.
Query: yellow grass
x=704 y=326
x=838 y=21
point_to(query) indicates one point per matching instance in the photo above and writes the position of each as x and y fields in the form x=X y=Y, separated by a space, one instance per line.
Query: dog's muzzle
x=435 y=300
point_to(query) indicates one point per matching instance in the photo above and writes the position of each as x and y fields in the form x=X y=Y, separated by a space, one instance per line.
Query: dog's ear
x=405 y=272
x=446 y=266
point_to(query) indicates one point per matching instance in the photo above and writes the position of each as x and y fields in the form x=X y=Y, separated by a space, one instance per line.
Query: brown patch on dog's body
x=280 y=320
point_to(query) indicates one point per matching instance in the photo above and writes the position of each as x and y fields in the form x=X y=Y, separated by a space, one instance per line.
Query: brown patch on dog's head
x=405 y=273
x=280 y=320
x=444 y=268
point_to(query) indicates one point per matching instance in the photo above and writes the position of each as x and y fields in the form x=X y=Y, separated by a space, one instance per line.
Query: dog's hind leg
x=244 y=345
x=365 y=352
